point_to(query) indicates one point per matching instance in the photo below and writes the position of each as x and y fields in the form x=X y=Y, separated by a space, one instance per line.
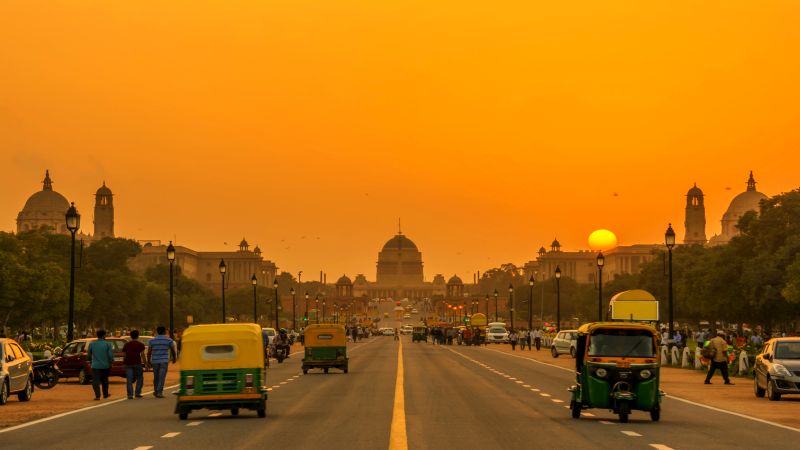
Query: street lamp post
x=511 y=302
x=305 y=318
x=601 y=261
x=495 y=306
x=222 y=270
x=323 y=310
x=171 y=259
x=558 y=299
x=277 y=301
x=487 y=306
x=294 y=310
x=530 y=305
x=73 y=224
x=254 y=282
x=316 y=309
x=669 y=239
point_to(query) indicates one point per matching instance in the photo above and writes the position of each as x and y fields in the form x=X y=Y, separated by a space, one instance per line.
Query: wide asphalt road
x=450 y=397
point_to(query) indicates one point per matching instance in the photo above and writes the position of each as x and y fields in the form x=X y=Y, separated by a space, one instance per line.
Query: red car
x=73 y=361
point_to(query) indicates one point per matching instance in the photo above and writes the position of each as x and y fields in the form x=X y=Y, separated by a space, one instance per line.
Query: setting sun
x=602 y=240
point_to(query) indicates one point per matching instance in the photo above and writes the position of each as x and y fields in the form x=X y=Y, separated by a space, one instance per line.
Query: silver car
x=16 y=372
x=564 y=343
x=777 y=368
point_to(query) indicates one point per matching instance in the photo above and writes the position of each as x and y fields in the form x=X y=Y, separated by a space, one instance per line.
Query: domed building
x=748 y=200
x=45 y=208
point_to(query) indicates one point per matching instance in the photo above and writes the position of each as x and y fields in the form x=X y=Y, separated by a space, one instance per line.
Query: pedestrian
x=133 y=365
x=537 y=338
x=513 y=338
x=100 y=355
x=396 y=335
x=719 y=358
x=160 y=350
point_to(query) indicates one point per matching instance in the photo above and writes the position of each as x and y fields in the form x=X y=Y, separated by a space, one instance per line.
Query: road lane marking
x=661 y=447
x=194 y=424
x=587 y=414
x=511 y=378
x=519 y=382
x=755 y=419
x=630 y=433
x=555 y=400
x=526 y=385
x=216 y=414
x=535 y=390
x=544 y=395
x=398 y=440
x=68 y=413
x=605 y=422
x=144 y=447
x=171 y=435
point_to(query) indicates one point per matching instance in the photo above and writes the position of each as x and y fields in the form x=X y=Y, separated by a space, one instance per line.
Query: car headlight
x=601 y=372
x=780 y=370
x=645 y=374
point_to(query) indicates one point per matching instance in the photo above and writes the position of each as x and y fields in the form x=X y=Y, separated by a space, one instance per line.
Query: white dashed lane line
x=555 y=400
x=171 y=435
x=605 y=422
x=661 y=447
x=194 y=424
x=586 y=414
x=144 y=447
x=544 y=394
x=631 y=433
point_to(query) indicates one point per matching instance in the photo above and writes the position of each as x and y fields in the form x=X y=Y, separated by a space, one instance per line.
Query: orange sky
x=310 y=126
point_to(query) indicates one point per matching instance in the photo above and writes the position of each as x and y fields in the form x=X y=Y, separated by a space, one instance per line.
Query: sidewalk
x=688 y=384
x=68 y=395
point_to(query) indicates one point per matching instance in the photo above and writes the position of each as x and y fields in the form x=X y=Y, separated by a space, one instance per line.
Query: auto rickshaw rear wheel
x=655 y=414
x=576 y=409
x=305 y=370
x=183 y=416
x=325 y=370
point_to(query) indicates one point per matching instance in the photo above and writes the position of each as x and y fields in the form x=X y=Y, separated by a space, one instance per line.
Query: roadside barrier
x=686 y=357
x=664 y=356
x=675 y=356
x=697 y=363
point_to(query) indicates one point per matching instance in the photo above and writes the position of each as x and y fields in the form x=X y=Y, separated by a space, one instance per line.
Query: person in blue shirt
x=101 y=356
x=160 y=350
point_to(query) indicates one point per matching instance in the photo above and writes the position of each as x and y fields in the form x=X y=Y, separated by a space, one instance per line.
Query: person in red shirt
x=133 y=364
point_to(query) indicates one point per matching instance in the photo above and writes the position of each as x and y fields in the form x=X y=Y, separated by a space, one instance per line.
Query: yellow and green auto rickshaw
x=616 y=366
x=222 y=367
x=326 y=347
x=419 y=333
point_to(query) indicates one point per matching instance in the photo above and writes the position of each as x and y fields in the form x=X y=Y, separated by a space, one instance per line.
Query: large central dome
x=399 y=242
x=45 y=208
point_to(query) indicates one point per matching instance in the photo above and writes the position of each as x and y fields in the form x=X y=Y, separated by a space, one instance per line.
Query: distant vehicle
x=496 y=333
x=73 y=359
x=564 y=343
x=406 y=329
x=414 y=311
x=269 y=333
x=777 y=368
x=387 y=331
x=16 y=371
x=406 y=316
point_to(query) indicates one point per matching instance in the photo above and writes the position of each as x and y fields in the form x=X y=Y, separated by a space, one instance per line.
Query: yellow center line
x=397 y=438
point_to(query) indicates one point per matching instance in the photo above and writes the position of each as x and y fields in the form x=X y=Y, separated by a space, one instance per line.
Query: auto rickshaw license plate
x=623 y=364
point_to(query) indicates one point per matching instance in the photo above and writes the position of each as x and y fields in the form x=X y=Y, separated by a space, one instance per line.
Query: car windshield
x=497 y=330
x=787 y=350
x=633 y=343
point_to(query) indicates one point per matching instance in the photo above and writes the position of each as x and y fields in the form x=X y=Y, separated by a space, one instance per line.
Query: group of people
x=160 y=351
x=525 y=337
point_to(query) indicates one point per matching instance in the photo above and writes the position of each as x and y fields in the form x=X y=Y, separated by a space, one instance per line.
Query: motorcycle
x=281 y=352
x=45 y=373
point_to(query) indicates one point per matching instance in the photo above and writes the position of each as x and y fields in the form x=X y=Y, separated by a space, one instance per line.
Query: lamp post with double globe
x=294 y=309
x=530 y=305
x=495 y=306
x=558 y=299
x=73 y=224
x=305 y=318
x=171 y=259
x=277 y=301
x=254 y=282
x=511 y=303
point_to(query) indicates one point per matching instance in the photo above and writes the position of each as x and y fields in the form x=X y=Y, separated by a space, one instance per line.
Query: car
x=564 y=343
x=73 y=361
x=777 y=368
x=146 y=366
x=16 y=371
x=414 y=311
x=496 y=333
x=406 y=316
x=270 y=334
x=406 y=329
x=387 y=331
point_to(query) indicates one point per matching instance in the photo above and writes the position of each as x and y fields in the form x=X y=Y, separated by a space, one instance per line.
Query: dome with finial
x=344 y=280
x=748 y=200
x=45 y=208
x=103 y=190
x=244 y=246
x=455 y=280
x=257 y=250
x=542 y=250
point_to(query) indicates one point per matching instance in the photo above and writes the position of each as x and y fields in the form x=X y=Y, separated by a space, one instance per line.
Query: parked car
x=497 y=334
x=146 y=366
x=564 y=343
x=777 y=368
x=16 y=371
x=73 y=361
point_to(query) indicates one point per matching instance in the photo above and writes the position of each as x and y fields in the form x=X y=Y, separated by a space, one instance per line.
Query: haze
x=309 y=127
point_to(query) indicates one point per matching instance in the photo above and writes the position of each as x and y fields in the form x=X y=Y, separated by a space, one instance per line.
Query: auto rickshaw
x=419 y=333
x=617 y=367
x=326 y=347
x=222 y=367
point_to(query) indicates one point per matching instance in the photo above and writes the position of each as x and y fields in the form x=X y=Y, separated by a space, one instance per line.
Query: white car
x=387 y=331
x=269 y=333
x=406 y=316
x=564 y=343
x=496 y=334
x=414 y=311
x=406 y=329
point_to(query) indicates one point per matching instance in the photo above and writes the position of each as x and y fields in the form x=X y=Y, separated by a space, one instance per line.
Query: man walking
x=719 y=358
x=101 y=356
x=537 y=338
x=133 y=365
x=160 y=350
x=513 y=338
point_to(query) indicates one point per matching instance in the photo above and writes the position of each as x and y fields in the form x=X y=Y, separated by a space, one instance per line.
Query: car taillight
x=248 y=380
x=189 y=382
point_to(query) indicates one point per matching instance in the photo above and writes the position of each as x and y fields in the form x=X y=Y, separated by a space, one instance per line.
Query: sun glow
x=602 y=240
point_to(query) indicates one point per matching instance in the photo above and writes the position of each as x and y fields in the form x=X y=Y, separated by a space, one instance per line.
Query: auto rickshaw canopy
x=634 y=304
x=589 y=328
x=325 y=335
x=222 y=346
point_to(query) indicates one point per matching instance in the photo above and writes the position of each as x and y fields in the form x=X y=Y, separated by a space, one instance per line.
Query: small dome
x=438 y=279
x=399 y=242
x=103 y=190
x=695 y=191
x=243 y=243
x=542 y=250
x=257 y=250
x=455 y=280
x=343 y=280
x=555 y=243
